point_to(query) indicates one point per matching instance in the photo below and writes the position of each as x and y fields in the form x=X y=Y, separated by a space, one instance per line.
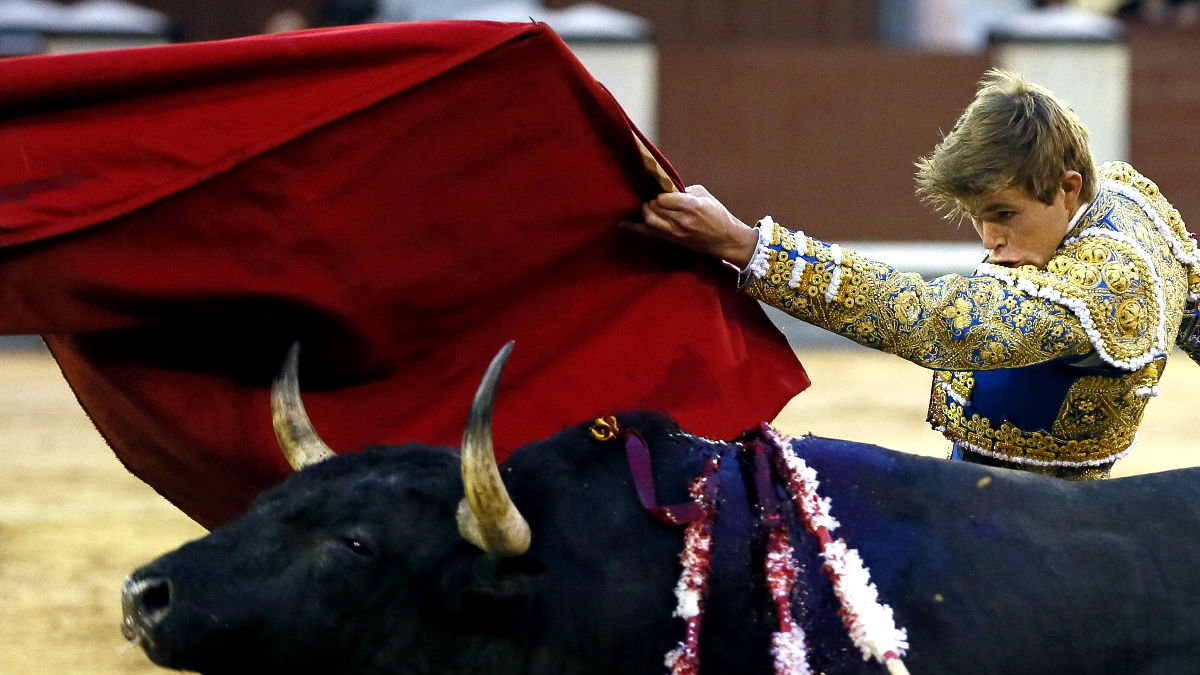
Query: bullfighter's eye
x=357 y=546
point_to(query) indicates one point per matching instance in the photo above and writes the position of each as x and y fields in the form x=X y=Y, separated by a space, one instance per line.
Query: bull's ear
x=486 y=608
x=500 y=587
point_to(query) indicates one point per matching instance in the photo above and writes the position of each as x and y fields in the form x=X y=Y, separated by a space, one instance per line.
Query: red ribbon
x=638 y=454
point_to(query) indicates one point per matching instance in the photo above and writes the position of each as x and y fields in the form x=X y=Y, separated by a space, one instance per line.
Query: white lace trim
x=758 y=265
x=835 y=282
x=1039 y=462
x=801 y=263
x=1184 y=251
x=949 y=391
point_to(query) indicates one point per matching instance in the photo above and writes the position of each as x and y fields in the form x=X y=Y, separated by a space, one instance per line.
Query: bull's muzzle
x=146 y=601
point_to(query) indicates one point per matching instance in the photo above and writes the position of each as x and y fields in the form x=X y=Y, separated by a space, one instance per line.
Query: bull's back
x=982 y=564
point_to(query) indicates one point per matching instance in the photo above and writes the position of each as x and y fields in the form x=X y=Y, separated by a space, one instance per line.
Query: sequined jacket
x=1049 y=369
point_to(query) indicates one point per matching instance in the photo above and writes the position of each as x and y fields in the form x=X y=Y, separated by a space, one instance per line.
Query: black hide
x=355 y=566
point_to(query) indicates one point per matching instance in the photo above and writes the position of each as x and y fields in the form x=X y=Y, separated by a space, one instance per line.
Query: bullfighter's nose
x=145 y=600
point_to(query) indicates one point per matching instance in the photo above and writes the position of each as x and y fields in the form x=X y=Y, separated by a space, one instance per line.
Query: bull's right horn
x=487 y=516
x=297 y=438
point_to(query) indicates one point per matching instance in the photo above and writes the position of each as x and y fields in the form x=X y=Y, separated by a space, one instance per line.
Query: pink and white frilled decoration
x=696 y=558
x=870 y=623
x=788 y=644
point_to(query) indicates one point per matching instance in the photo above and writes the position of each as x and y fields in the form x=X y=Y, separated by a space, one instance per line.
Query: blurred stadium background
x=810 y=110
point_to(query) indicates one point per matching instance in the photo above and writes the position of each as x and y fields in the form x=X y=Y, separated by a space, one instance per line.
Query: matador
x=1046 y=356
x=1049 y=369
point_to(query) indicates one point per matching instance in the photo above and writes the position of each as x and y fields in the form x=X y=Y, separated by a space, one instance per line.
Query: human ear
x=1072 y=183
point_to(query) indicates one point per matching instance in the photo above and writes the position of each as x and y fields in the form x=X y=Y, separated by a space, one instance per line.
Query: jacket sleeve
x=1089 y=298
x=1188 y=338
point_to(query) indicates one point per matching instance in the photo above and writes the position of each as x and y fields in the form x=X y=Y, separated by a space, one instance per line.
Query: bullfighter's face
x=1019 y=229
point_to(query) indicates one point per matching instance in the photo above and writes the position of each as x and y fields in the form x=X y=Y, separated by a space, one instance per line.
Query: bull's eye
x=357 y=546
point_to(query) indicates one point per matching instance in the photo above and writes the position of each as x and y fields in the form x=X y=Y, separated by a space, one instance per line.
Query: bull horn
x=487 y=516
x=297 y=438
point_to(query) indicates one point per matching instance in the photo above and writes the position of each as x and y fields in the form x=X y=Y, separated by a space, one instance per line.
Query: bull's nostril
x=146 y=600
x=156 y=596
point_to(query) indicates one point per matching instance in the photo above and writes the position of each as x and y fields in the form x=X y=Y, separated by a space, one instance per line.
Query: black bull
x=355 y=565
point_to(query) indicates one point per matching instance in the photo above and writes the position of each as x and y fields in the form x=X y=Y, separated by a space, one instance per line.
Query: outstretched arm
x=950 y=323
x=997 y=318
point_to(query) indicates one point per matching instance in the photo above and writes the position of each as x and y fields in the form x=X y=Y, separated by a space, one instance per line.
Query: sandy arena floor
x=73 y=522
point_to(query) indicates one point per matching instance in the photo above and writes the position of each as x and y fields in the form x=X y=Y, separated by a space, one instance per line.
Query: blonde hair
x=1014 y=134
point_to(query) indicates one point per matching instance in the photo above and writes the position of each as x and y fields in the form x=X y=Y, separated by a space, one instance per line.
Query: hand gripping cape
x=402 y=199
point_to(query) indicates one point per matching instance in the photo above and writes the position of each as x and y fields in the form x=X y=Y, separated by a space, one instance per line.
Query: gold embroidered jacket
x=1048 y=368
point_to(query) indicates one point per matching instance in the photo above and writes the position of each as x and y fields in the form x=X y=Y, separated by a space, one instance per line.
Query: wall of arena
x=824 y=138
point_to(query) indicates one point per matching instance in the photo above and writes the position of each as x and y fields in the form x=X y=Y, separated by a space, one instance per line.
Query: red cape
x=402 y=199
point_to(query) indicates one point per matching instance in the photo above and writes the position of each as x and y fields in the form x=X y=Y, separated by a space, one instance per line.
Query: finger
x=656 y=208
x=650 y=210
x=657 y=224
x=675 y=201
x=634 y=226
x=698 y=191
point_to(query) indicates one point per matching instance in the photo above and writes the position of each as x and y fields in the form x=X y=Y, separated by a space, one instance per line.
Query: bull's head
x=404 y=559
x=288 y=583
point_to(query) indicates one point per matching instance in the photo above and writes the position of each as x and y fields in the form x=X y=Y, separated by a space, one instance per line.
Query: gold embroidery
x=1126 y=174
x=959 y=313
x=1129 y=317
x=1084 y=473
x=907 y=308
x=1084 y=274
x=1009 y=441
x=818 y=279
x=963 y=383
x=1073 y=473
x=994 y=352
x=1097 y=420
x=1094 y=252
x=952 y=322
x=1105 y=402
x=1118 y=276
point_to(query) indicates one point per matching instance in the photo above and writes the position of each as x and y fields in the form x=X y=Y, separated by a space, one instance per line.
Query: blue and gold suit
x=1047 y=370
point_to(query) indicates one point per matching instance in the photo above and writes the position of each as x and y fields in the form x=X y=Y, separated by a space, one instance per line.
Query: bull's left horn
x=487 y=516
x=297 y=438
